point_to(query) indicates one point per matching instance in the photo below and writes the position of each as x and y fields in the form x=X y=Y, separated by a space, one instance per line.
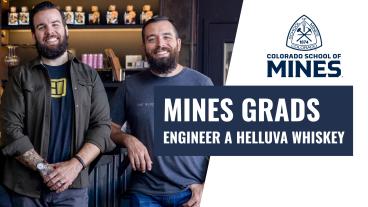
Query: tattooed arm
x=30 y=159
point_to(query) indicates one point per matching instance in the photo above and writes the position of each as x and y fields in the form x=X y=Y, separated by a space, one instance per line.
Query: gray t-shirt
x=133 y=103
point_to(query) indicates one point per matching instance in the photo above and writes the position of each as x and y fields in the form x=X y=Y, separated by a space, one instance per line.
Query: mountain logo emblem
x=304 y=35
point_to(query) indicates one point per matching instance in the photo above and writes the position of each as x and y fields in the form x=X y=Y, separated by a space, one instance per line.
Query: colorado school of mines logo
x=304 y=35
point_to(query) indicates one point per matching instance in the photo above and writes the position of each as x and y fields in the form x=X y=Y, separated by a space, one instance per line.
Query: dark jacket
x=25 y=120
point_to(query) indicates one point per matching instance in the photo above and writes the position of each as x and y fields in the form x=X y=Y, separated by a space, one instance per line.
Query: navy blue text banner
x=254 y=120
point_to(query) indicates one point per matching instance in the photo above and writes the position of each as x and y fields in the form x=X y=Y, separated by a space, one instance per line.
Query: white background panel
x=297 y=181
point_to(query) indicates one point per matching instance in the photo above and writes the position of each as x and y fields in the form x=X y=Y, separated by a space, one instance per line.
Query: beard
x=163 y=65
x=52 y=52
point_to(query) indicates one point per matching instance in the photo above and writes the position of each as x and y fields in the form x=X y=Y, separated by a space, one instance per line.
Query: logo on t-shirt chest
x=58 y=87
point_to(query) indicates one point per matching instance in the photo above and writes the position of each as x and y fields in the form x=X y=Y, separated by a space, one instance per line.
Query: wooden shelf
x=87 y=26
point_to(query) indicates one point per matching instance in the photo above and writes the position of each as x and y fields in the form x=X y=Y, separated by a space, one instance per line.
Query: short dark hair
x=158 y=18
x=41 y=7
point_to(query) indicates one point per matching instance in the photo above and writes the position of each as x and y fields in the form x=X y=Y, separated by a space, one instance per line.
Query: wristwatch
x=42 y=167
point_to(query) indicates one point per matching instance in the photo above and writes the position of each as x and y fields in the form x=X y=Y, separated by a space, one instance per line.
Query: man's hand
x=195 y=200
x=138 y=154
x=48 y=170
x=63 y=175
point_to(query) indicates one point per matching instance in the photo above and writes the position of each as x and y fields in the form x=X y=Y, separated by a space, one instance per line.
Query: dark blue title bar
x=254 y=120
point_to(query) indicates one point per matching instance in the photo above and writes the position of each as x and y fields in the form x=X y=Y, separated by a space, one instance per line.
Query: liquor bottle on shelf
x=79 y=17
x=112 y=15
x=24 y=16
x=84 y=58
x=129 y=15
x=94 y=60
x=13 y=16
x=100 y=61
x=90 y=60
x=69 y=15
x=94 y=16
x=146 y=14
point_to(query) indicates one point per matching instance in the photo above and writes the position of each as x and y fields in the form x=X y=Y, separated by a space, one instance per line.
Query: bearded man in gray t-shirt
x=157 y=180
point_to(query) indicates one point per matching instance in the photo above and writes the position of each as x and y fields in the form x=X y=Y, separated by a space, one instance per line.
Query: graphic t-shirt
x=133 y=103
x=60 y=141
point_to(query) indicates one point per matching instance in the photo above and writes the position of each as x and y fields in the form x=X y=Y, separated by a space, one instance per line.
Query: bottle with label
x=100 y=61
x=90 y=60
x=24 y=16
x=112 y=15
x=13 y=16
x=69 y=15
x=84 y=58
x=129 y=15
x=146 y=14
x=79 y=16
x=94 y=16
